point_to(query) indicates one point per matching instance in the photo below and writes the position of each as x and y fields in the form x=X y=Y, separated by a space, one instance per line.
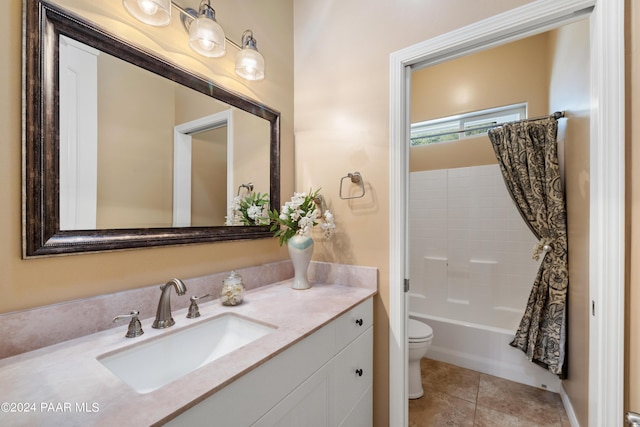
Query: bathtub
x=485 y=349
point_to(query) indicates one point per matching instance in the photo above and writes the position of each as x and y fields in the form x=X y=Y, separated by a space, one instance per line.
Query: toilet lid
x=418 y=330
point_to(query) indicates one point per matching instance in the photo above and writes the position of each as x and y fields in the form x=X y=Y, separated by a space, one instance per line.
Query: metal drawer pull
x=633 y=419
x=359 y=322
x=359 y=372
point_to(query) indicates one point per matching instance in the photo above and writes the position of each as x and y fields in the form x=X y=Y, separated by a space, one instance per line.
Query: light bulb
x=148 y=7
x=206 y=44
x=206 y=37
x=250 y=64
x=152 y=12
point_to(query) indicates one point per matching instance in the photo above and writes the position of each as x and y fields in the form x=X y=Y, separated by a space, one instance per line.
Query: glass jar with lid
x=232 y=291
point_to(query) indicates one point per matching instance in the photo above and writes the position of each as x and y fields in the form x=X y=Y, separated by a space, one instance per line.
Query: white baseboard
x=568 y=408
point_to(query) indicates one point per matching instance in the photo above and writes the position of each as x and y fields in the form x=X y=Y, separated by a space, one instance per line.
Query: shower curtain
x=527 y=154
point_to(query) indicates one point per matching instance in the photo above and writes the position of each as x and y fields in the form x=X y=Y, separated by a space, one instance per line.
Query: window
x=462 y=126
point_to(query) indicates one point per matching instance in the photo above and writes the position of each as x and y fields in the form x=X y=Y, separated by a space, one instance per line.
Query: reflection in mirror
x=117 y=123
x=124 y=150
x=207 y=173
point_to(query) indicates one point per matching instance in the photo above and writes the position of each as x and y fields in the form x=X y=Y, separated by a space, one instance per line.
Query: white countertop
x=65 y=384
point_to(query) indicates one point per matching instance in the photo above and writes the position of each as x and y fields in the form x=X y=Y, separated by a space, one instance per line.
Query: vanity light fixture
x=206 y=36
x=152 y=12
x=249 y=62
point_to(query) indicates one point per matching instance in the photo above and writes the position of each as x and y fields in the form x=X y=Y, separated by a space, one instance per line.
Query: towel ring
x=248 y=186
x=356 y=178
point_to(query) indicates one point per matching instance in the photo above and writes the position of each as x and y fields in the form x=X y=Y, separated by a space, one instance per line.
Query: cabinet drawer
x=353 y=374
x=353 y=323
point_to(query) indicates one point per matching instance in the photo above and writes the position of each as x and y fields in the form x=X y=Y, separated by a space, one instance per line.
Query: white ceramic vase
x=300 y=251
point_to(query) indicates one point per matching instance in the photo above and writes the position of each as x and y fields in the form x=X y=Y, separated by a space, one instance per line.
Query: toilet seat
x=419 y=331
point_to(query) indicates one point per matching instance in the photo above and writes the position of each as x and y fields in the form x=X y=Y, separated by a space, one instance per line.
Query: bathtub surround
x=527 y=152
x=470 y=250
x=471 y=271
x=28 y=330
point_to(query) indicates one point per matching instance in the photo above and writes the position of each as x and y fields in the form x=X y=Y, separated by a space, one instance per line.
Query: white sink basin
x=152 y=364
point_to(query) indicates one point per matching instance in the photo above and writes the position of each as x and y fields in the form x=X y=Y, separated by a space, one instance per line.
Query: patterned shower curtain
x=527 y=154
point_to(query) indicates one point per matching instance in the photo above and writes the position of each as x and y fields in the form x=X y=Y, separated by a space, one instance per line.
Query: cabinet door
x=353 y=374
x=362 y=414
x=248 y=398
x=309 y=405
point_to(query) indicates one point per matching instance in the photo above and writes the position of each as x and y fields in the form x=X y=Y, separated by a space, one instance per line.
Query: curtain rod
x=557 y=115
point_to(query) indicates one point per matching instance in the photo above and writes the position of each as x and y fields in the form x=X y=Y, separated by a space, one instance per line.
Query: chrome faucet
x=163 y=315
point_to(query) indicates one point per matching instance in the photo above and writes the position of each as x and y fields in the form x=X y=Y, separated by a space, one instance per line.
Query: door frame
x=607 y=184
x=182 y=162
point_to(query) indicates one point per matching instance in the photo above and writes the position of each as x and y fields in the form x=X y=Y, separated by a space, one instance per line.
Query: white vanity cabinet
x=323 y=380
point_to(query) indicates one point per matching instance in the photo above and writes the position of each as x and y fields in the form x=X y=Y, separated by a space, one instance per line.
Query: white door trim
x=78 y=135
x=607 y=215
x=182 y=162
x=607 y=174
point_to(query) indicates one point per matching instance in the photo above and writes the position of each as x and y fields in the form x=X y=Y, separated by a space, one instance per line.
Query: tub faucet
x=163 y=315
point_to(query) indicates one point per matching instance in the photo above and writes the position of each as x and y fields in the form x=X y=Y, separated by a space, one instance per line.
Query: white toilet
x=420 y=337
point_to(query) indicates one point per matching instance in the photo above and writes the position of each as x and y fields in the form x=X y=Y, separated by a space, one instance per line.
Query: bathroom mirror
x=65 y=166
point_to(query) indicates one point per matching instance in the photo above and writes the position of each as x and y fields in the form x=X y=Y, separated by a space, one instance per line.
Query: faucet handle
x=193 y=311
x=135 y=328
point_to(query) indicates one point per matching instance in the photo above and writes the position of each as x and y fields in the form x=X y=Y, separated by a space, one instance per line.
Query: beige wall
x=342 y=123
x=35 y=282
x=513 y=73
x=632 y=344
x=130 y=129
x=209 y=177
x=569 y=91
x=251 y=153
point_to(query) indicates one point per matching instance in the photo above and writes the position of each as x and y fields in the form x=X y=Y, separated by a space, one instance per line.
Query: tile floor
x=455 y=396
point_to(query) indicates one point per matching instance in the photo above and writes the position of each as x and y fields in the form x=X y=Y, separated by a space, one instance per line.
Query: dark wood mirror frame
x=44 y=23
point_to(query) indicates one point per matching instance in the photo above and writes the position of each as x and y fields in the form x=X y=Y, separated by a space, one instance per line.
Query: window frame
x=439 y=128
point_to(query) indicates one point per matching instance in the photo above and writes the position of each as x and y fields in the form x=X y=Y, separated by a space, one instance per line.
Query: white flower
x=298 y=199
x=300 y=215
x=304 y=226
x=254 y=212
x=248 y=210
x=328 y=226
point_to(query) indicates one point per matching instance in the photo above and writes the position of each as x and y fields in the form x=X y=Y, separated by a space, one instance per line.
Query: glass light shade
x=152 y=12
x=206 y=37
x=250 y=64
